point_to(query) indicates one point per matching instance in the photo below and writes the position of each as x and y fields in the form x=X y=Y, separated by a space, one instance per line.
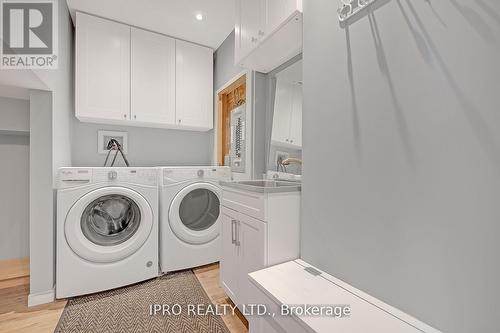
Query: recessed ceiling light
x=199 y=16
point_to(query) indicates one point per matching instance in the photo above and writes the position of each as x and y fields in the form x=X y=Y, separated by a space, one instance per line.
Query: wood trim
x=228 y=99
x=242 y=80
x=14 y=268
x=220 y=132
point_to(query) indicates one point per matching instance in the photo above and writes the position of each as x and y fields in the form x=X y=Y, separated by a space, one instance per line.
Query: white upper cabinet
x=153 y=78
x=102 y=69
x=296 y=117
x=194 y=86
x=287 y=118
x=282 y=113
x=267 y=33
x=134 y=77
x=250 y=23
x=278 y=11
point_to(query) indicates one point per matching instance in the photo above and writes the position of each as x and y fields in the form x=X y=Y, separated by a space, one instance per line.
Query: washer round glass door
x=108 y=224
x=194 y=213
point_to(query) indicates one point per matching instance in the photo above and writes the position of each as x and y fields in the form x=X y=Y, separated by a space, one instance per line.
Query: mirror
x=286 y=135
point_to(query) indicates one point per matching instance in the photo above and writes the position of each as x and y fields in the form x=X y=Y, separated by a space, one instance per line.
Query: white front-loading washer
x=190 y=216
x=107 y=228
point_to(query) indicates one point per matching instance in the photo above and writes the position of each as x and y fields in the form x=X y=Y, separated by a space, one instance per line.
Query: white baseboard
x=42 y=297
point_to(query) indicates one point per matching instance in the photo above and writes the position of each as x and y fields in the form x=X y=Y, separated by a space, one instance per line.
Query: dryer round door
x=194 y=213
x=108 y=224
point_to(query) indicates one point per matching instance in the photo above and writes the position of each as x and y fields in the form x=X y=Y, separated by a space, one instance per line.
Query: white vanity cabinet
x=102 y=70
x=258 y=230
x=267 y=33
x=287 y=121
x=129 y=76
x=244 y=246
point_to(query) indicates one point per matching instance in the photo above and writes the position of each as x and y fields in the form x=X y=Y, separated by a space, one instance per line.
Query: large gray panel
x=402 y=156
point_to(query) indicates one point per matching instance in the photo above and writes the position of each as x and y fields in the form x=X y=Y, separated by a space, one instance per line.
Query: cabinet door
x=152 y=78
x=250 y=25
x=252 y=240
x=102 y=69
x=277 y=11
x=282 y=112
x=296 y=118
x=194 y=86
x=229 y=260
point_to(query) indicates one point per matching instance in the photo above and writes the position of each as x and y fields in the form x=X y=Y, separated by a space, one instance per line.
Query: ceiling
x=176 y=18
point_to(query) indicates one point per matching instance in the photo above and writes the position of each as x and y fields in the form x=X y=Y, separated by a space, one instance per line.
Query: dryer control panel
x=176 y=175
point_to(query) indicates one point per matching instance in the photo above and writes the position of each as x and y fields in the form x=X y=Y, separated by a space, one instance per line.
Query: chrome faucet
x=289 y=161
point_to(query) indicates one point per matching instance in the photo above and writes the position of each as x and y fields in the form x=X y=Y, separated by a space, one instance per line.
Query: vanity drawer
x=248 y=203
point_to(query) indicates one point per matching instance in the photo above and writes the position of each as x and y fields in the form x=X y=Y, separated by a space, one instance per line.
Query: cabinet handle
x=179 y=121
x=261 y=33
x=237 y=237
x=125 y=116
x=233 y=229
x=254 y=40
x=286 y=140
x=135 y=116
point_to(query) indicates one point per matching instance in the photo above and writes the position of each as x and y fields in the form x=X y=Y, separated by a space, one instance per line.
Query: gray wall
x=14 y=179
x=402 y=156
x=260 y=98
x=50 y=139
x=147 y=146
x=42 y=227
x=225 y=69
x=14 y=115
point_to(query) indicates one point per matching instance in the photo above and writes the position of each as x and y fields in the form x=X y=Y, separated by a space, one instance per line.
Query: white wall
x=14 y=178
x=402 y=156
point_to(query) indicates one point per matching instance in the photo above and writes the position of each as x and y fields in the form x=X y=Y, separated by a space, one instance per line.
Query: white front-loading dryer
x=190 y=216
x=107 y=228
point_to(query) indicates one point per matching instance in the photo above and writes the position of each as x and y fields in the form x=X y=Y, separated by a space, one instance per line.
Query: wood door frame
x=249 y=123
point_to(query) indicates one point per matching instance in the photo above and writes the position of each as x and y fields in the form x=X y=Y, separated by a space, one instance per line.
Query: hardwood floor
x=15 y=316
x=209 y=279
x=14 y=268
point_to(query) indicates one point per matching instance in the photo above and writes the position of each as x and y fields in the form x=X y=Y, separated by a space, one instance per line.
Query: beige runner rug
x=129 y=309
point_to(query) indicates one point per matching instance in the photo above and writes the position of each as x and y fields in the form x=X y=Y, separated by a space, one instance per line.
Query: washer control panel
x=73 y=177
x=112 y=175
x=126 y=175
